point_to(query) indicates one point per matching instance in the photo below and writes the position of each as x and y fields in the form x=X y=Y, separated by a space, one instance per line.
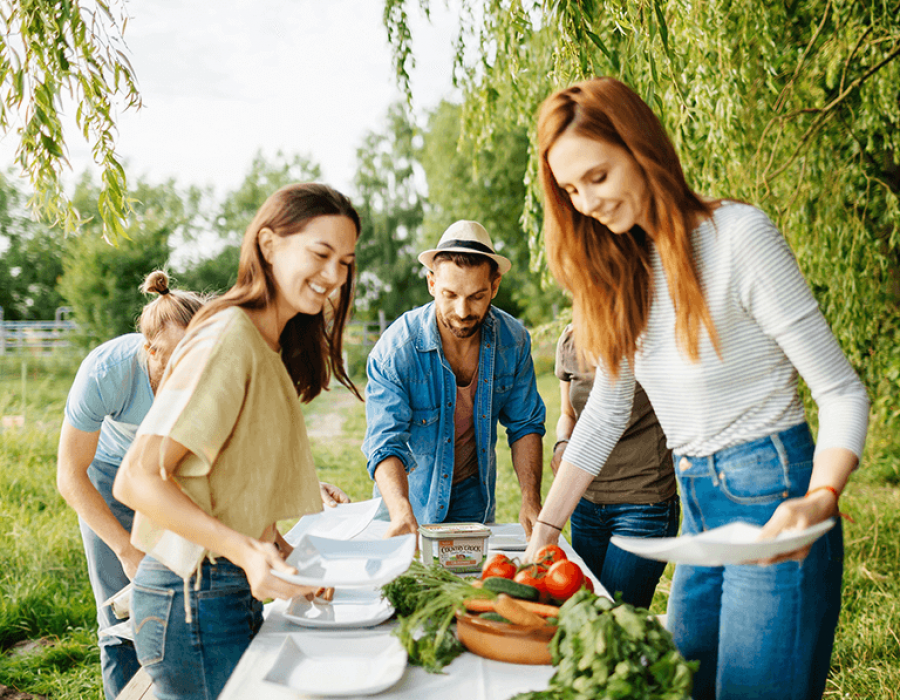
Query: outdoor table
x=468 y=676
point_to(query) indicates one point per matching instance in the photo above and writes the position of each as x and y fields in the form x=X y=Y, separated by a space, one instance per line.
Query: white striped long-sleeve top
x=770 y=328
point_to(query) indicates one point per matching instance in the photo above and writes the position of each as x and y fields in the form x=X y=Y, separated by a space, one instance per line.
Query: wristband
x=558 y=443
x=559 y=529
x=837 y=497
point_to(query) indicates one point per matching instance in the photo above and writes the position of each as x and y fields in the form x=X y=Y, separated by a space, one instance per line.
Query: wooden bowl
x=503 y=641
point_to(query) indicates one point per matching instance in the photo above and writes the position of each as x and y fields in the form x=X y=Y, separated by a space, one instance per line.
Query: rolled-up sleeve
x=524 y=412
x=388 y=415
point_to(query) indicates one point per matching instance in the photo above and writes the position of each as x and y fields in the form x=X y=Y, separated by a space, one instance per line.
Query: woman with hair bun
x=702 y=302
x=112 y=392
x=223 y=454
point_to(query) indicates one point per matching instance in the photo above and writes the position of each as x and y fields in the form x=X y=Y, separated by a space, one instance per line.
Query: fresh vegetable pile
x=602 y=650
x=426 y=599
x=607 y=651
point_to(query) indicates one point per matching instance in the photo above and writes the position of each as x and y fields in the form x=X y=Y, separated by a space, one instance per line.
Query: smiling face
x=308 y=266
x=603 y=181
x=462 y=296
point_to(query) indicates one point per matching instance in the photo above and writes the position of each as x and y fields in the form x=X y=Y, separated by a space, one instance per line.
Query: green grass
x=45 y=595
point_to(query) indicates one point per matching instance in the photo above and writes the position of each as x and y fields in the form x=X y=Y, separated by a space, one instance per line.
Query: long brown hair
x=609 y=274
x=310 y=344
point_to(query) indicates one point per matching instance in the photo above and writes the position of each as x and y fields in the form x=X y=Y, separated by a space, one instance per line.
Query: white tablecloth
x=469 y=677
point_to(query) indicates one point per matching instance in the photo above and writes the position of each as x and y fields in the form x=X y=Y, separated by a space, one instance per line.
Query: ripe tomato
x=549 y=554
x=533 y=575
x=589 y=584
x=564 y=579
x=498 y=565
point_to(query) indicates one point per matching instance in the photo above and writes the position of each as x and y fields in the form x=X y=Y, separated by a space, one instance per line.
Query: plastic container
x=459 y=547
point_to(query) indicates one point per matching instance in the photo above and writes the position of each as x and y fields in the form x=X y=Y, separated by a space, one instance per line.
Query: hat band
x=474 y=246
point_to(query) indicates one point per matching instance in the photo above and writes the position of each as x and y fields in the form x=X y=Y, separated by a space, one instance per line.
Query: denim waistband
x=787 y=440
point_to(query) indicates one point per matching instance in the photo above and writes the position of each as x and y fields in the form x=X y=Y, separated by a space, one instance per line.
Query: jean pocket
x=758 y=476
x=151 y=609
x=228 y=616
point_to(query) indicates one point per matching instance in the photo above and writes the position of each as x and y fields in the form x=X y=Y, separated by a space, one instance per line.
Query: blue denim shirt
x=411 y=402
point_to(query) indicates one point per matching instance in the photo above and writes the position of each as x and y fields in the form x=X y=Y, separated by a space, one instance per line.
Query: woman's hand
x=798 y=514
x=332 y=495
x=258 y=559
x=540 y=535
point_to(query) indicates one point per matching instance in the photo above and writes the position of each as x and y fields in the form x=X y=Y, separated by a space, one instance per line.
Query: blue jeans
x=118 y=661
x=620 y=571
x=759 y=632
x=192 y=660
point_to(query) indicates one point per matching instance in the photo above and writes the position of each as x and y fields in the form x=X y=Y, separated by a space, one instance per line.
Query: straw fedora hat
x=466 y=237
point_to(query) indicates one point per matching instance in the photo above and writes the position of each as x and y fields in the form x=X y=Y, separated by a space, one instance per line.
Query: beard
x=462 y=327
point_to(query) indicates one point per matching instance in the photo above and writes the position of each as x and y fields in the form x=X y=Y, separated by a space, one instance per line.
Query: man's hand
x=332 y=495
x=405 y=525
x=528 y=514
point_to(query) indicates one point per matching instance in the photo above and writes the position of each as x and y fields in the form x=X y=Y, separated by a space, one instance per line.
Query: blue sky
x=222 y=79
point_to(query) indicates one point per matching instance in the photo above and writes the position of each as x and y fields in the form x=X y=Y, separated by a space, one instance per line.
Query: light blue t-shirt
x=111 y=394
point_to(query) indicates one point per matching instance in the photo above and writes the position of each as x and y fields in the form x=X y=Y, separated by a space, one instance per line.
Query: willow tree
x=63 y=66
x=793 y=106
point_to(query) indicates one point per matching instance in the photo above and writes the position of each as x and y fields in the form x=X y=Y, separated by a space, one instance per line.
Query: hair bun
x=157 y=282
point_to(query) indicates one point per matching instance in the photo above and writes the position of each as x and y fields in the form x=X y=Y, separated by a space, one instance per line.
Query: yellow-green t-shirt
x=227 y=397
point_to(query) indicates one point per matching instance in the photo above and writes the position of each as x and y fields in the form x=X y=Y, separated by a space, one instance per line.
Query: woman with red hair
x=702 y=302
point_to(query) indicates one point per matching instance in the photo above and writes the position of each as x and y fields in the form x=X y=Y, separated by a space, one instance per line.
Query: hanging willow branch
x=58 y=56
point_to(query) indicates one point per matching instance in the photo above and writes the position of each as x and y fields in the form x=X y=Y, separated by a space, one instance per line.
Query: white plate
x=350 y=608
x=734 y=543
x=353 y=564
x=317 y=664
x=343 y=522
x=509 y=543
x=507 y=536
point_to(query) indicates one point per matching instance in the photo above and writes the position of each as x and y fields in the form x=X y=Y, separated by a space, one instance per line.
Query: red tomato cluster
x=551 y=573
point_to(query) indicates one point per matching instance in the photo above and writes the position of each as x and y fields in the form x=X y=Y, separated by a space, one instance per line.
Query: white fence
x=37 y=337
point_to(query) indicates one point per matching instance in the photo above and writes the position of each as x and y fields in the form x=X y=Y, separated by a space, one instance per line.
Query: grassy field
x=47 y=632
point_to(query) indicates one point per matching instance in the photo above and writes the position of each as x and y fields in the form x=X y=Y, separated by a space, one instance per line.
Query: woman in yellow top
x=223 y=454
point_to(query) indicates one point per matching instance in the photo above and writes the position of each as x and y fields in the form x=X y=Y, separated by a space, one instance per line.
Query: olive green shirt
x=639 y=469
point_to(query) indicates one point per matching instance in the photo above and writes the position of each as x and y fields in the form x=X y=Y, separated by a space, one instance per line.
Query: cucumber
x=511 y=588
x=493 y=617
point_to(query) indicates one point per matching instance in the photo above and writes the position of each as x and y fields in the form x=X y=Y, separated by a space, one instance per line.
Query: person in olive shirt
x=634 y=495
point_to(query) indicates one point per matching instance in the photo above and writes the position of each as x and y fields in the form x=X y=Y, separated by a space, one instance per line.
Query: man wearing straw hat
x=440 y=379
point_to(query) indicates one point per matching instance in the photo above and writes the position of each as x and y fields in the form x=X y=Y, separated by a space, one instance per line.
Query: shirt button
x=446 y=476
x=684 y=464
x=448 y=439
x=442 y=507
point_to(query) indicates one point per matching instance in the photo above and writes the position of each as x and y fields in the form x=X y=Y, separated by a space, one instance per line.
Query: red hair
x=609 y=274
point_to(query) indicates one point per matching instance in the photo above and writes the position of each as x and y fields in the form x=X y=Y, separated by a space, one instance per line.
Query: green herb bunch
x=427 y=599
x=609 y=651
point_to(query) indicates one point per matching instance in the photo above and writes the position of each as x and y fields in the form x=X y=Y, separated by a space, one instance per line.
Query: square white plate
x=509 y=537
x=349 y=608
x=734 y=543
x=353 y=564
x=343 y=522
x=317 y=664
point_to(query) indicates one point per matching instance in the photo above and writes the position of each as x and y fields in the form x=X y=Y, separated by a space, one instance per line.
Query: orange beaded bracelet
x=837 y=497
